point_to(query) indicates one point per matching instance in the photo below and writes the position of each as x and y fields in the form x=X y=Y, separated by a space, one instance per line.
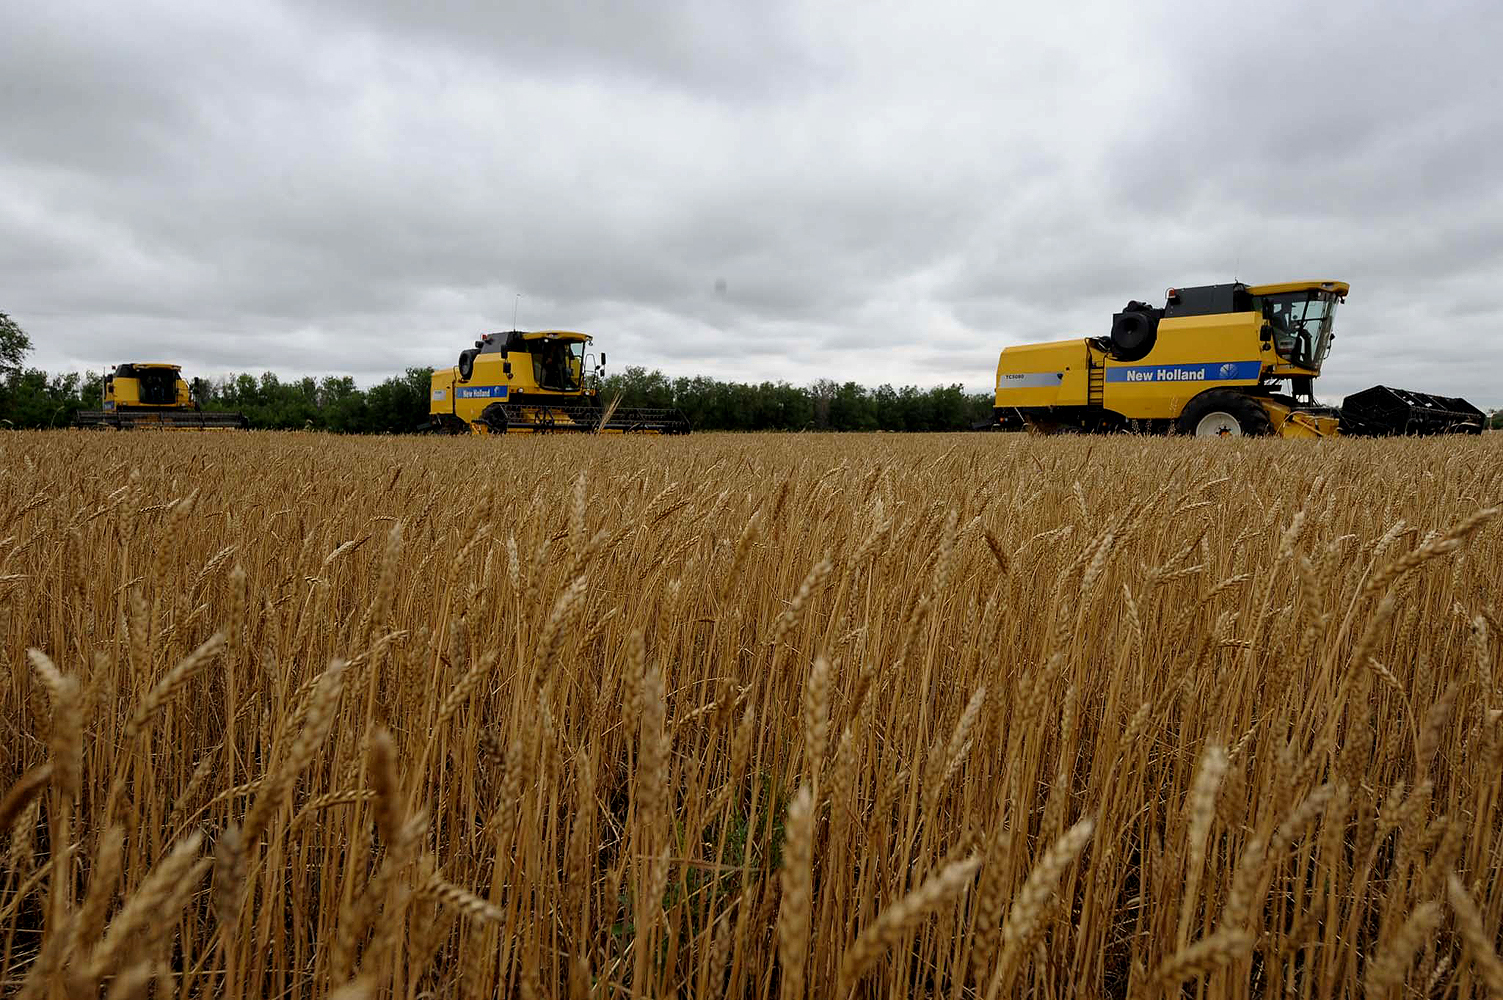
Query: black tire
x=1134 y=333
x=494 y=417
x=1044 y=423
x=467 y=363
x=446 y=423
x=1224 y=413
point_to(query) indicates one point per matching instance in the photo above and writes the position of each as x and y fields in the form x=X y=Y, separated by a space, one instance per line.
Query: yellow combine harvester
x=153 y=395
x=528 y=383
x=1215 y=361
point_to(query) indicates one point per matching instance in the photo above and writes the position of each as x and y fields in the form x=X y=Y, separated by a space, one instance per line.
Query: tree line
x=712 y=404
x=33 y=398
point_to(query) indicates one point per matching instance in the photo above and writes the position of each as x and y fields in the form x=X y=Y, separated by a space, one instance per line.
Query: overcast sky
x=873 y=191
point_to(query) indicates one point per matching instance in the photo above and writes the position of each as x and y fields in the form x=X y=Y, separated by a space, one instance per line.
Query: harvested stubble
x=313 y=716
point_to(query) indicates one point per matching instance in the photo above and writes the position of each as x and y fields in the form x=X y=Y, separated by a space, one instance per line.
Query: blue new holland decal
x=481 y=392
x=1223 y=371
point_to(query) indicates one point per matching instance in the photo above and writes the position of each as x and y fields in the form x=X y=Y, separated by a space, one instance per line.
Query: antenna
x=514 y=307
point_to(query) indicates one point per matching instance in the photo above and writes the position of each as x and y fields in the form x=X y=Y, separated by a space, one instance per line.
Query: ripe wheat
x=749 y=716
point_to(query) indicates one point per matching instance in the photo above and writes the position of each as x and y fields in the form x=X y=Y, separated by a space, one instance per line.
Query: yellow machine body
x=153 y=395
x=498 y=374
x=532 y=382
x=1227 y=337
x=147 y=386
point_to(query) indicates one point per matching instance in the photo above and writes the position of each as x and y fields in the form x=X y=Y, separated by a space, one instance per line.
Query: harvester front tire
x=494 y=417
x=1224 y=413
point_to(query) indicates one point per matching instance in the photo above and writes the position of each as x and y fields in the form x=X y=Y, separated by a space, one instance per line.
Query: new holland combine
x=531 y=383
x=1215 y=361
x=154 y=396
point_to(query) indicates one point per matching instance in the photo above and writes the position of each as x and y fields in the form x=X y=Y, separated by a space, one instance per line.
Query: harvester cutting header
x=1215 y=361
x=527 y=383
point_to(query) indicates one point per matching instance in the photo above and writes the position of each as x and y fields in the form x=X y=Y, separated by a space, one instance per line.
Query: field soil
x=963 y=716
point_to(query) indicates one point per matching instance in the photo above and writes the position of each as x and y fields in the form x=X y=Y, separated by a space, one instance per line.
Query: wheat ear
x=798 y=890
x=1202 y=808
x=171 y=683
x=1478 y=940
x=175 y=875
x=1204 y=957
x=1026 y=914
x=1388 y=970
x=27 y=787
x=891 y=924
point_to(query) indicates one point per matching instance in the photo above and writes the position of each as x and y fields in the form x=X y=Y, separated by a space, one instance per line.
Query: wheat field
x=966 y=716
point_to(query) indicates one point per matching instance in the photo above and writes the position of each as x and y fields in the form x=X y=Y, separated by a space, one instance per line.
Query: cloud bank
x=872 y=191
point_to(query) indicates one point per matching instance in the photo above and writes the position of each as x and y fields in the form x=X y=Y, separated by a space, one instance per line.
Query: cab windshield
x=1301 y=324
x=558 y=364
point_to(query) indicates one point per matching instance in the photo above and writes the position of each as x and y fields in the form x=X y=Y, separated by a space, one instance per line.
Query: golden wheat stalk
x=21 y=793
x=881 y=935
x=172 y=682
x=798 y=890
x=1479 y=941
x=130 y=929
x=1026 y=914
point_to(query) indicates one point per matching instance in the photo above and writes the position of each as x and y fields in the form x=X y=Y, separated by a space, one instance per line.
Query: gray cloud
x=779 y=191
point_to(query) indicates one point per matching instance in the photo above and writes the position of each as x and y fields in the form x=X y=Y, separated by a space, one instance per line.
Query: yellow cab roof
x=557 y=335
x=1048 y=345
x=1339 y=287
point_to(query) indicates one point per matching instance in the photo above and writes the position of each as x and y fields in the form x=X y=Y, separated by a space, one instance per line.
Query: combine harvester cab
x=1216 y=361
x=153 y=396
x=532 y=383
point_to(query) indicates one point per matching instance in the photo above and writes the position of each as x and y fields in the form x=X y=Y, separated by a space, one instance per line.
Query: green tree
x=852 y=409
x=980 y=408
x=400 y=404
x=32 y=398
x=821 y=396
x=948 y=409
x=343 y=405
x=638 y=387
x=91 y=392
x=13 y=346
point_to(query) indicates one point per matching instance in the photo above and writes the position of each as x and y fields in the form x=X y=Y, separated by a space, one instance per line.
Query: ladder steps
x=1095 y=385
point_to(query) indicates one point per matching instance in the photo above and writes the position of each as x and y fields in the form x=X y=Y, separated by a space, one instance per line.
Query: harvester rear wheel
x=1224 y=413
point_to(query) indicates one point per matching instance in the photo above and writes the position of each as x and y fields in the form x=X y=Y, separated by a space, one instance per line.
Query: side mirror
x=602 y=359
x=506 y=367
